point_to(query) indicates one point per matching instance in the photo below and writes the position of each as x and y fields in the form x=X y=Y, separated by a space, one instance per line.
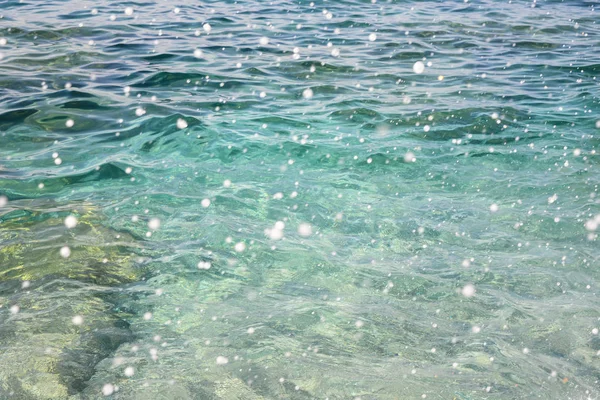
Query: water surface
x=271 y=202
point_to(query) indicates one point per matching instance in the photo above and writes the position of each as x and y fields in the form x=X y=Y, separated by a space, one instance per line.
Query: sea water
x=299 y=200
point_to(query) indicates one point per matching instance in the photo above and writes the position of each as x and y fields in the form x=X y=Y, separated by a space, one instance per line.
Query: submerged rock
x=57 y=318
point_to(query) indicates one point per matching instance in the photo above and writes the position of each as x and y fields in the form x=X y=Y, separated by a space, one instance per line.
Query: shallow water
x=386 y=234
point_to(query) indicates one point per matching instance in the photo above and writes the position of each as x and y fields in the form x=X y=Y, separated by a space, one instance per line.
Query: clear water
x=396 y=235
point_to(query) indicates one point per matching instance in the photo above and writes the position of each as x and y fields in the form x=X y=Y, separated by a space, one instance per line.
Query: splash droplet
x=418 y=67
x=65 y=252
x=468 y=290
x=181 y=123
x=222 y=360
x=108 y=389
x=239 y=247
x=409 y=157
x=204 y=265
x=71 y=221
x=307 y=93
x=304 y=229
x=154 y=224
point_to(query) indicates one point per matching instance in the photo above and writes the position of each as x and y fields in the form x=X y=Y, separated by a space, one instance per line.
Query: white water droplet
x=65 y=252
x=372 y=37
x=264 y=41
x=305 y=229
x=77 y=320
x=140 y=111
x=205 y=203
x=418 y=67
x=129 y=11
x=409 y=157
x=279 y=225
x=69 y=123
x=108 y=389
x=207 y=28
x=468 y=290
x=494 y=207
x=276 y=233
x=222 y=360
x=239 y=247
x=181 y=123
x=71 y=221
x=307 y=93
x=204 y=265
x=154 y=224
x=591 y=225
x=197 y=53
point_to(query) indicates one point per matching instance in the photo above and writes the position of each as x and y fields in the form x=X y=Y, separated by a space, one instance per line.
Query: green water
x=296 y=210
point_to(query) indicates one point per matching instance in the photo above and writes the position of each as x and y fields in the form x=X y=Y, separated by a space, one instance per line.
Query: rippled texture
x=397 y=192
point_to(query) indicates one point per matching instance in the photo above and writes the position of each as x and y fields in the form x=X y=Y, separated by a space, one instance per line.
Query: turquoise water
x=277 y=200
